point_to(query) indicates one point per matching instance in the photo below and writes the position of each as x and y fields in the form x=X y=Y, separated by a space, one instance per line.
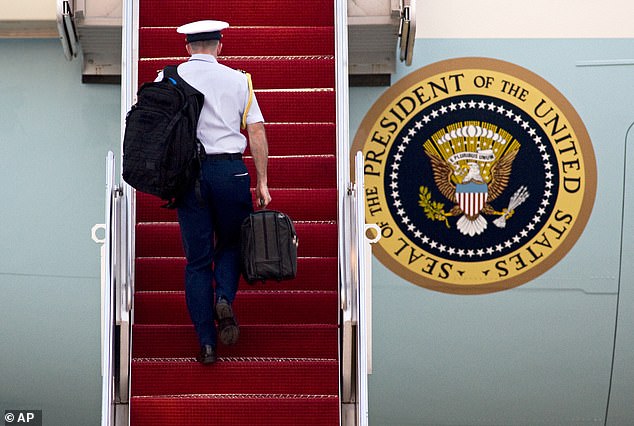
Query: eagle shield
x=471 y=167
x=472 y=197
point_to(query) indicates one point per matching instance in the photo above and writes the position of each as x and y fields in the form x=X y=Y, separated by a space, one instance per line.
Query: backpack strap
x=170 y=73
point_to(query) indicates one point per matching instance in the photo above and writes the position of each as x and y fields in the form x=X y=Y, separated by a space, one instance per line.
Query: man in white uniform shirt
x=210 y=221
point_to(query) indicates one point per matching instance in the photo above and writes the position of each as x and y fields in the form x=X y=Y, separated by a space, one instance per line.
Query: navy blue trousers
x=210 y=228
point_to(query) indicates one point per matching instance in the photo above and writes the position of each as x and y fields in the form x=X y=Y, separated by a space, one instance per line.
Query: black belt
x=221 y=157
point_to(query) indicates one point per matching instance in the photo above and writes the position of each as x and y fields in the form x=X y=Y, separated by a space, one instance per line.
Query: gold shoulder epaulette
x=246 y=110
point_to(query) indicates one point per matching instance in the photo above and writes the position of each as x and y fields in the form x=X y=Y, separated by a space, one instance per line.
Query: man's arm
x=260 y=152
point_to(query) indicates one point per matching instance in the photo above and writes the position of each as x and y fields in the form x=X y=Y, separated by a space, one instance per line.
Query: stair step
x=298 y=204
x=235 y=410
x=243 y=41
x=262 y=307
x=309 y=105
x=168 y=274
x=264 y=340
x=163 y=239
x=171 y=376
x=269 y=72
x=301 y=138
x=291 y=105
x=299 y=172
x=160 y=13
x=307 y=172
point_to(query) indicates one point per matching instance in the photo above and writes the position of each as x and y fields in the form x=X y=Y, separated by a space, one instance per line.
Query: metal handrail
x=108 y=283
x=118 y=257
x=357 y=315
x=344 y=212
x=354 y=292
x=364 y=292
x=123 y=307
x=361 y=373
x=115 y=315
x=127 y=222
x=343 y=139
x=129 y=82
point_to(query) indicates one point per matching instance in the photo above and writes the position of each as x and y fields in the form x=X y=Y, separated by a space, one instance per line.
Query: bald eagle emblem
x=471 y=164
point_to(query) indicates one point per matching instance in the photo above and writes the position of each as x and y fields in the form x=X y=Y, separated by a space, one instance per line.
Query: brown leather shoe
x=207 y=355
x=228 y=328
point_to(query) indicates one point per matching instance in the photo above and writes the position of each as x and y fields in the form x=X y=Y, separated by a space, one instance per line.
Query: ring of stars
x=428 y=241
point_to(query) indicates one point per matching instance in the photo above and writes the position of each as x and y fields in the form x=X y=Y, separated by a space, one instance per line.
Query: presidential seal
x=479 y=173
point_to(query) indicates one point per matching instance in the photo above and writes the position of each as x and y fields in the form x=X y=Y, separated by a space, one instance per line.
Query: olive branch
x=434 y=210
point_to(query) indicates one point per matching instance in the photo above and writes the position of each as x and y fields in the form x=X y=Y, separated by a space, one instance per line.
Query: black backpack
x=161 y=153
x=269 y=247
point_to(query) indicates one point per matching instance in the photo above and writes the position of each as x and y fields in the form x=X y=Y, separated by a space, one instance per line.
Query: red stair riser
x=306 y=204
x=299 y=172
x=279 y=340
x=297 y=105
x=266 y=73
x=298 y=204
x=244 y=41
x=164 y=240
x=168 y=274
x=160 y=13
x=300 y=138
x=263 y=377
x=233 y=411
x=250 y=308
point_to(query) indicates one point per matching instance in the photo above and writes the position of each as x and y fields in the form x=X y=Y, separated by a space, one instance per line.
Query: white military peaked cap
x=203 y=30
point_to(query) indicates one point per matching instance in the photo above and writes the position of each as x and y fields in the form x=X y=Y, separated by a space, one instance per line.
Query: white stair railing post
x=108 y=282
x=364 y=293
x=345 y=211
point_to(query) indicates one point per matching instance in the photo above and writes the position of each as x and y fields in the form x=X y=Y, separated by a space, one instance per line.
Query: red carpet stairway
x=284 y=369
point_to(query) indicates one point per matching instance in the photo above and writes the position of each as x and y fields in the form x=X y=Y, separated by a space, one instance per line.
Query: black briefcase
x=269 y=247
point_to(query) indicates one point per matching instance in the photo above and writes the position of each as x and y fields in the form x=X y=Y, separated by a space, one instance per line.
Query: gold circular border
x=571 y=115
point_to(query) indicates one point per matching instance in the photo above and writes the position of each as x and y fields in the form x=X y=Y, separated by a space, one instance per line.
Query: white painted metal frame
x=129 y=83
x=118 y=252
x=107 y=295
x=362 y=332
x=346 y=350
x=364 y=297
x=114 y=304
x=353 y=247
